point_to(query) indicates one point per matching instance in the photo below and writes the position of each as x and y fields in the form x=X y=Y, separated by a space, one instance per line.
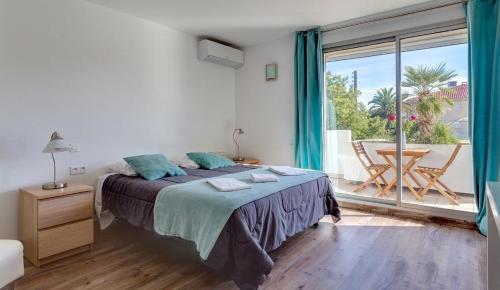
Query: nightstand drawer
x=65 y=209
x=60 y=239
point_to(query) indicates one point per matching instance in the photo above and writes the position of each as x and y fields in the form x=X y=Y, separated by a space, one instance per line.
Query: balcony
x=347 y=172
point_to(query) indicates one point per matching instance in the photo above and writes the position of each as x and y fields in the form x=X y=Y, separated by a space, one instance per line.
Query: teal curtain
x=308 y=99
x=484 y=91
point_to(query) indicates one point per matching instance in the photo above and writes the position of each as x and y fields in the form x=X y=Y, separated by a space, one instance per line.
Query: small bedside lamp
x=238 y=131
x=55 y=144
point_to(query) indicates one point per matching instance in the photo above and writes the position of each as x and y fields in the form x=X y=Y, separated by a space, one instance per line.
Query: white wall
x=265 y=109
x=114 y=83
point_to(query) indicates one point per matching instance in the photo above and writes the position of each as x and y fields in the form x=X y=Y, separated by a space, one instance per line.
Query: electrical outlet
x=74 y=147
x=77 y=169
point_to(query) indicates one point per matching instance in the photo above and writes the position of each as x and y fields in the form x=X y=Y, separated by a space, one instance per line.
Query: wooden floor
x=363 y=251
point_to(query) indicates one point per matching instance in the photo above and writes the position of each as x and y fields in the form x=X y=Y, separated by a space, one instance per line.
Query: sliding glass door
x=434 y=74
x=400 y=99
x=360 y=112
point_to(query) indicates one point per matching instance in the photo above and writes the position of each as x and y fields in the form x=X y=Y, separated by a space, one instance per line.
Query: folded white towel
x=228 y=184
x=286 y=170
x=264 y=177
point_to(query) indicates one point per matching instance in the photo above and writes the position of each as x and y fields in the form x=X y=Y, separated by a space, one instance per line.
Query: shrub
x=441 y=134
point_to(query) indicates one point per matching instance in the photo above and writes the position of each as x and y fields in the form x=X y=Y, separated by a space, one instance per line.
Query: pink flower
x=413 y=118
x=391 y=117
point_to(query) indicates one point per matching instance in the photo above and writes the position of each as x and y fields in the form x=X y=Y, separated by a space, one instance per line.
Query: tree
x=345 y=113
x=383 y=103
x=424 y=82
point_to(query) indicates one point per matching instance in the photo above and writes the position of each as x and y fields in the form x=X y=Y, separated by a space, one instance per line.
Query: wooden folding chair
x=432 y=175
x=375 y=171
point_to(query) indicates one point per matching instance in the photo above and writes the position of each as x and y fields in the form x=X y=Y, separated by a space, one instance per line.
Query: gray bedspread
x=253 y=230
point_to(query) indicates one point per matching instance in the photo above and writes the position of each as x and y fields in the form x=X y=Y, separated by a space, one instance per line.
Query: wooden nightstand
x=56 y=223
x=249 y=161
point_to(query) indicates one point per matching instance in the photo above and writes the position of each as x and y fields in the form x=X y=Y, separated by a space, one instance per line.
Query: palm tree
x=424 y=82
x=383 y=103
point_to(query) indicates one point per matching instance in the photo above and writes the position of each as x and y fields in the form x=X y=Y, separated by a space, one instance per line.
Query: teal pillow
x=153 y=166
x=210 y=160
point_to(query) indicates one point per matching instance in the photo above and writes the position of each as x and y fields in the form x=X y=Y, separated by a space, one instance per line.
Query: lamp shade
x=56 y=144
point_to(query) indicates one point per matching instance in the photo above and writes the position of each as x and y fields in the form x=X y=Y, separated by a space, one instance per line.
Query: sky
x=376 y=72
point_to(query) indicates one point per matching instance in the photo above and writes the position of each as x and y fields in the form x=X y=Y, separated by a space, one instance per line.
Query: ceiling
x=250 y=22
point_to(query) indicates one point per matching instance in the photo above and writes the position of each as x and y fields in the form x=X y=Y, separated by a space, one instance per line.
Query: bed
x=251 y=232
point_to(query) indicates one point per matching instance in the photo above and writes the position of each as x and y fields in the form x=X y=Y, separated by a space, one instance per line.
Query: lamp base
x=54 y=185
x=239 y=159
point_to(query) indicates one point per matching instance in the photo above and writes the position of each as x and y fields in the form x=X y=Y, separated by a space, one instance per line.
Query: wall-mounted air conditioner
x=212 y=51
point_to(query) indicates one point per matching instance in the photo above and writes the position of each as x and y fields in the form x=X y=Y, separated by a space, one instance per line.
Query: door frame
x=396 y=38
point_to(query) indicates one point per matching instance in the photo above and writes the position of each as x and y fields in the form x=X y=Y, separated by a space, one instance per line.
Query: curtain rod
x=391 y=14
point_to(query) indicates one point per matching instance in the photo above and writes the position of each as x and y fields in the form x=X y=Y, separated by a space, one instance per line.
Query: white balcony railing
x=342 y=162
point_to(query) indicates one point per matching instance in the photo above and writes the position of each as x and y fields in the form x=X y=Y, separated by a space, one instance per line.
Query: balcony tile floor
x=433 y=198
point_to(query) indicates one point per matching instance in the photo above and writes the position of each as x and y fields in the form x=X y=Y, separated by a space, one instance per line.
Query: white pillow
x=185 y=162
x=121 y=167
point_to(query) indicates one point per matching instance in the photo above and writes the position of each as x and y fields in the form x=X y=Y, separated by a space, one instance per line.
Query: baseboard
x=9 y=286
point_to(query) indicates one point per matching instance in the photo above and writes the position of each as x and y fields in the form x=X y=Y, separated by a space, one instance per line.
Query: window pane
x=435 y=116
x=360 y=99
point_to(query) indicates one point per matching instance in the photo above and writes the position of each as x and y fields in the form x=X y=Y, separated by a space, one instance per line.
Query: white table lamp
x=56 y=144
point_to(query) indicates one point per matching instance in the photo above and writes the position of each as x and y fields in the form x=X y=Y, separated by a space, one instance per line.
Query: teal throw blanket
x=198 y=212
